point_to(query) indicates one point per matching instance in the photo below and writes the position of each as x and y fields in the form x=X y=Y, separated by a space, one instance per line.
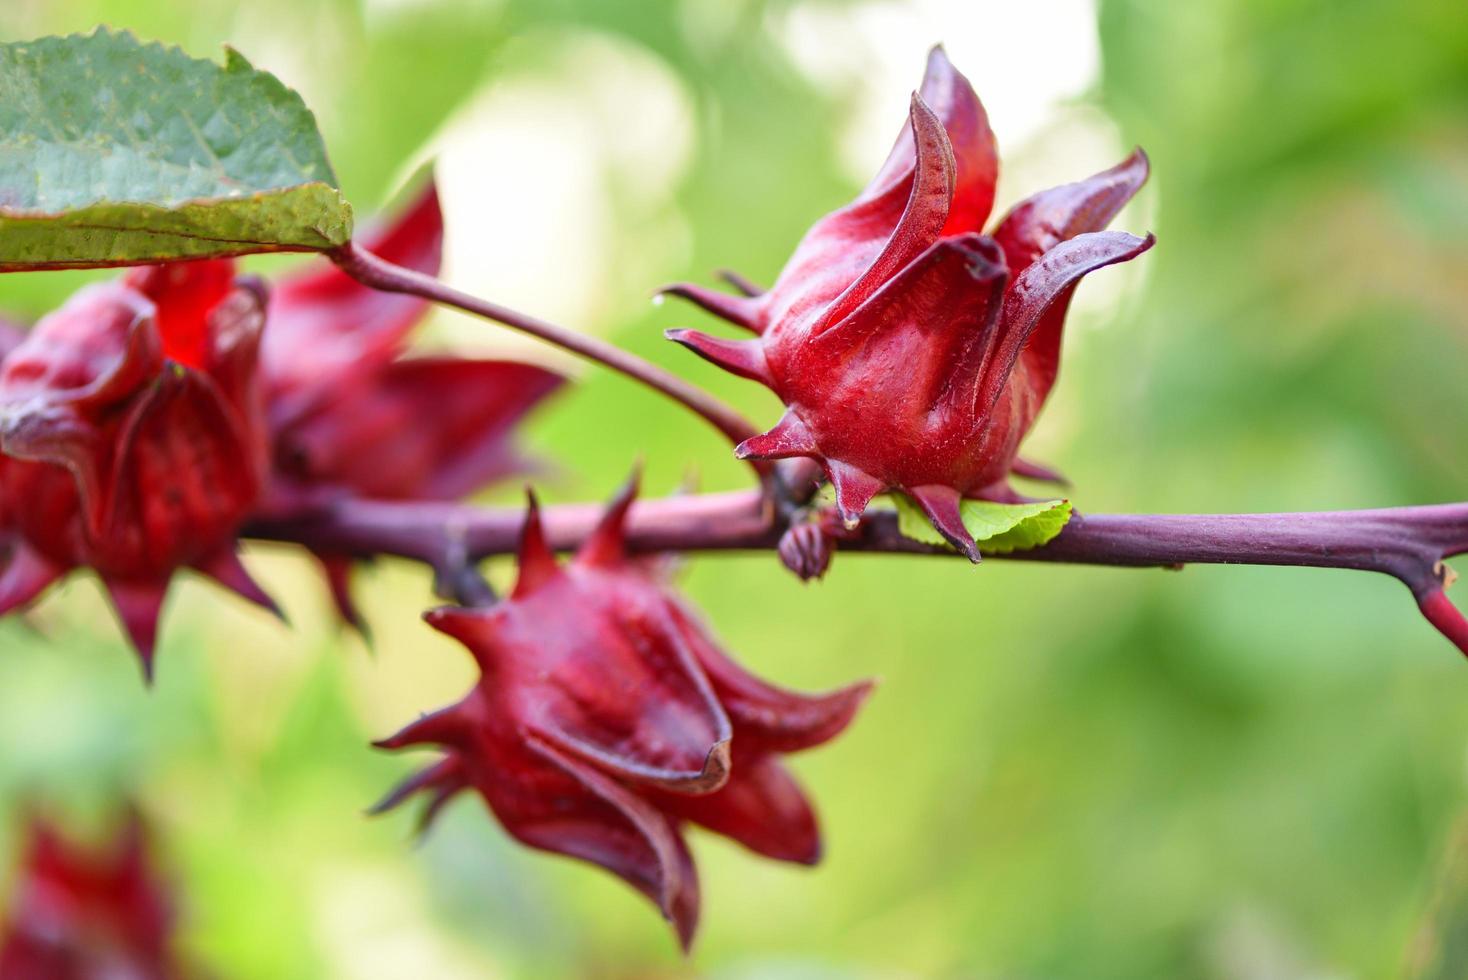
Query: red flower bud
x=606 y=717
x=76 y=914
x=911 y=351
x=133 y=420
x=805 y=550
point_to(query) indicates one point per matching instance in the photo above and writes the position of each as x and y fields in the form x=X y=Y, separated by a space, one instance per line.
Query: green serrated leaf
x=114 y=152
x=998 y=528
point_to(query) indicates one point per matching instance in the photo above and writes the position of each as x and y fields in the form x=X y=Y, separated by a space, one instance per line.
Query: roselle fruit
x=135 y=434
x=913 y=352
x=607 y=718
x=78 y=913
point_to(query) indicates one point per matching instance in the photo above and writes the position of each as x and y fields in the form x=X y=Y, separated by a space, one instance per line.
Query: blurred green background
x=1066 y=773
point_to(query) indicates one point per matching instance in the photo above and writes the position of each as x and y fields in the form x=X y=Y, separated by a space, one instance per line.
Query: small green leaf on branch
x=998 y=528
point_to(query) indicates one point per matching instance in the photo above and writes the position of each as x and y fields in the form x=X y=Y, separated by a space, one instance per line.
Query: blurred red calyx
x=133 y=420
x=147 y=418
x=82 y=914
x=606 y=718
x=352 y=416
x=912 y=351
x=349 y=411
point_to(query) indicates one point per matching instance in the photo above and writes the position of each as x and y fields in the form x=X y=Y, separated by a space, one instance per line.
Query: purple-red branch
x=1408 y=543
x=378 y=273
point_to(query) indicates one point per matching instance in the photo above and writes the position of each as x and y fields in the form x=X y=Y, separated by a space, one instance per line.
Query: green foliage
x=115 y=152
x=998 y=528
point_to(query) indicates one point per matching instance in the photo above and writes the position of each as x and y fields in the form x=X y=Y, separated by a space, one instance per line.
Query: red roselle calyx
x=912 y=351
x=351 y=415
x=81 y=914
x=144 y=421
x=606 y=718
x=136 y=434
x=348 y=410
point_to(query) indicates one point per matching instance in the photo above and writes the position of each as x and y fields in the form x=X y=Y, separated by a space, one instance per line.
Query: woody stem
x=378 y=273
x=1407 y=543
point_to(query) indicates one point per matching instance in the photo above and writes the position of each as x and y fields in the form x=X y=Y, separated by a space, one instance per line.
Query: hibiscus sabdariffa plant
x=607 y=716
x=913 y=351
x=155 y=420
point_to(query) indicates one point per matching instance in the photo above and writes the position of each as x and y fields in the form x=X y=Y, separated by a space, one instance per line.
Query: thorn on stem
x=1444 y=574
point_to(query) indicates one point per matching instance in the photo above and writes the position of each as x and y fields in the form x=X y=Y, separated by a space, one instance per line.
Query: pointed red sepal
x=339 y=572
x=781 y=720
x=413 y=237
x=746 y=358
x=922 y=219
x=1002 y=492
x=227 y=569
x=788 y=438
x=952 y=99
x=537 y=562
x=1039 y=472
x=235 y=329
x=854 y=490
x=606 y=545
x=184 y=293
x=895 y=218
x=447 y=726
x=439 y=798
x=472 y=626
x=742 y=311
x=138 y=606
x=25 y=576
x=774 y=719
x=761 y=807
x=1046 y=282
x=1039 y=223
x=975 y=153
x=745 y=286
x=441 y=781
x=941 y=504
x=608 y=825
